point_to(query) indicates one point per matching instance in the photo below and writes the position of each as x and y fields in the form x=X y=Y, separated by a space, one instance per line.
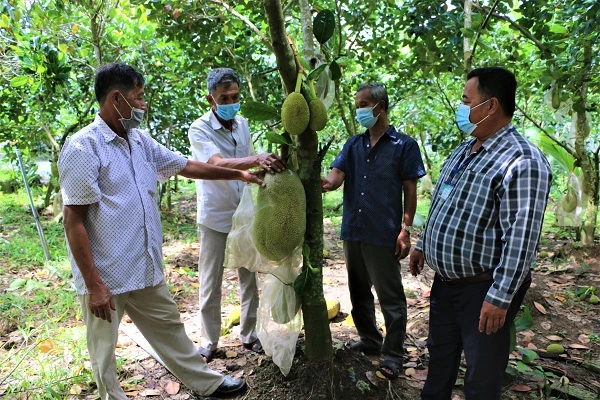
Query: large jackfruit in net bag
x=280 y=219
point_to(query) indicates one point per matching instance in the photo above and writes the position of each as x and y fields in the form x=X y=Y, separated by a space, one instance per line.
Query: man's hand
x=271 y=162
x=253 y=177
x=326 y=185
x=402 y=245
x=491 y=318
x=417 y=260
x=100 y=302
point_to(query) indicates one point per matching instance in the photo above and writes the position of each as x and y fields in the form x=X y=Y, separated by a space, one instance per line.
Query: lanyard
x=462 y=165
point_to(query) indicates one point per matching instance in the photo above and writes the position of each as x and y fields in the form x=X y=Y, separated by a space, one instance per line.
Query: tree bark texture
x=316 y=324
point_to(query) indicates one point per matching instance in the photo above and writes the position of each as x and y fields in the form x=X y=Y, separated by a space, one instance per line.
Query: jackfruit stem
x=298 y=82
x=311 y=85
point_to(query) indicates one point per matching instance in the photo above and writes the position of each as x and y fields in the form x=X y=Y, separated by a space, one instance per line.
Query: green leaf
x=551 y=148
x=19 y=81
x=521 y=367
x=33 y=285
x=256 y=111
x=17 y=284
x=315 y=73
x=525 y=321
x=513 y=337
x=63 y=47
x=558 y=29
x=272 y=137
x=300 y=282
x=324 y=26
x=528 y=355
x=336 y=72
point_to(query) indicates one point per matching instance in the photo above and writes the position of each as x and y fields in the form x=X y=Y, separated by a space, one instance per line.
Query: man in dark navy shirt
x=378 y=167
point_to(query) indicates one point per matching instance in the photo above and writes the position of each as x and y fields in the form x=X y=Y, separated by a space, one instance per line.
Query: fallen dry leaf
x=578 y=346
x=554 y=337
x=371 y=377
x=47 y=346
x=520 y=388
x=380 y=375
x=531 y=346
x=409 y=371
x=420 y=374
x=231 y=354
x=559 y=298
x=583 y=338
x=539 y=307
x=150 y=392
x=172 y=387
x=75 y=389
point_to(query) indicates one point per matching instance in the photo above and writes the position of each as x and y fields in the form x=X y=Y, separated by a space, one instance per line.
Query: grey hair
x=221 y=77
x=378 y=92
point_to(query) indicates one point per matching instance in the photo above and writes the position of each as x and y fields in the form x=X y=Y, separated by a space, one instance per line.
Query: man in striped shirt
x=480 y=239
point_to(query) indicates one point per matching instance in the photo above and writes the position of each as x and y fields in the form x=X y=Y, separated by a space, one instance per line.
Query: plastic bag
x=279 y=318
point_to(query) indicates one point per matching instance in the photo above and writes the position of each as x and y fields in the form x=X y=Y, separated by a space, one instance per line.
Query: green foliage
x=324 y=25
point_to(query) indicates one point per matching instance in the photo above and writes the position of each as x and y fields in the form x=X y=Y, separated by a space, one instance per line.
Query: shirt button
x=362 y=193
x=365 y=177
x=359 y=210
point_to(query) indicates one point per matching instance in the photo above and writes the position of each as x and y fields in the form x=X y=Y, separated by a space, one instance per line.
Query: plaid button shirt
x=487 y=212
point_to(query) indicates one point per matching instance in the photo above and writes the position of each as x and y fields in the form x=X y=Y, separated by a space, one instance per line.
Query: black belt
x=482 y=277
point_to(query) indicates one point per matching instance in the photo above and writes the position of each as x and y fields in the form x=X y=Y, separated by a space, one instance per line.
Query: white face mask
x=137 y=116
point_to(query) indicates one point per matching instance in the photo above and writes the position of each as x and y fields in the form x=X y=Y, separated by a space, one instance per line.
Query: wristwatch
x=409 y=229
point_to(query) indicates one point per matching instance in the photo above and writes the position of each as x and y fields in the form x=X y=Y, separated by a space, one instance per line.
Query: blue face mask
x=463 y=118
x=228 y=112
x=365 y=117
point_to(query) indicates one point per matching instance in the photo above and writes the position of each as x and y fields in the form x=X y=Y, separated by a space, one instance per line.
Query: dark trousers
x=369 y=265
x=453 y=327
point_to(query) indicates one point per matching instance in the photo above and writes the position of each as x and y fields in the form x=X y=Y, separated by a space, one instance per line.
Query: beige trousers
x=155 y=314
x=211 y=262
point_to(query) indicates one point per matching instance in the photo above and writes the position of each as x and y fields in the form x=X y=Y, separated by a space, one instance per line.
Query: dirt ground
x=558 y=315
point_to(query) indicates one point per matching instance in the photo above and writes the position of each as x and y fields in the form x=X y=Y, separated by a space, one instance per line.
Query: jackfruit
x=285 y=310
x=318 y=115
x=333 y=308
x=569 y=200
x=280 y=219
x=555 y=348
x=295 y=114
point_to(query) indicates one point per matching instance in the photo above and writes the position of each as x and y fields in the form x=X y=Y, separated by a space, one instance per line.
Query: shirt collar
x=214 y=122
x=493 y=140
x=391 y=131
x=110 y=135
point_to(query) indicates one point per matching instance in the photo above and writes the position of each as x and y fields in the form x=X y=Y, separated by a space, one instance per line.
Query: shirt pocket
x=146 y=179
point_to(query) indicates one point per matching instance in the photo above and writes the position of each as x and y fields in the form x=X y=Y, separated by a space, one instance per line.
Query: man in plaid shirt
x=480 y=238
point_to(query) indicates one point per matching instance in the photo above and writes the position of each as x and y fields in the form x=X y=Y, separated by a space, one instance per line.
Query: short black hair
x=499 y=83
x=378 y=92
x=221 y=77
x=118 y=75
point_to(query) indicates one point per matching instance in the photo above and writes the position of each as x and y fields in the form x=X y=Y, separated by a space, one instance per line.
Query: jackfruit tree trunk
x=588 y=162
x=316 y=324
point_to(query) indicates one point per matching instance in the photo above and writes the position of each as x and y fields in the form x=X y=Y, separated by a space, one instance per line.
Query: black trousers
x=453 y=327
x=369 y=265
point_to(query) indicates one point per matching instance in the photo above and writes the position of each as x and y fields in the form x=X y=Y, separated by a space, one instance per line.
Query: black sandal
x=207 y=354
x=392 y=366
x=255 y=346
x=362 y=347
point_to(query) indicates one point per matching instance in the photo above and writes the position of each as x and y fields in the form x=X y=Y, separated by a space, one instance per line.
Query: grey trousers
x=157 y=317
x=369 y=265
x=210 y=270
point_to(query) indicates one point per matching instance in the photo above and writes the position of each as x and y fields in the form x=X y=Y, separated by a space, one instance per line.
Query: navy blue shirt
x=373 y=211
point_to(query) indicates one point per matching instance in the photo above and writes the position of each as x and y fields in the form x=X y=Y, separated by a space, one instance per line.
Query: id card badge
x=445 y=190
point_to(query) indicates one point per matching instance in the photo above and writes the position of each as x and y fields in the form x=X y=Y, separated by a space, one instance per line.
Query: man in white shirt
x=108 y=177
x=222 y=138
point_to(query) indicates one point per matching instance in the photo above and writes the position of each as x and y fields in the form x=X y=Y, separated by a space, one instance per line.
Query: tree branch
x=545 y=50
x=281 y=47
x=325 y=148
x=565 y=146
x=481 y=28
x=245 y=20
